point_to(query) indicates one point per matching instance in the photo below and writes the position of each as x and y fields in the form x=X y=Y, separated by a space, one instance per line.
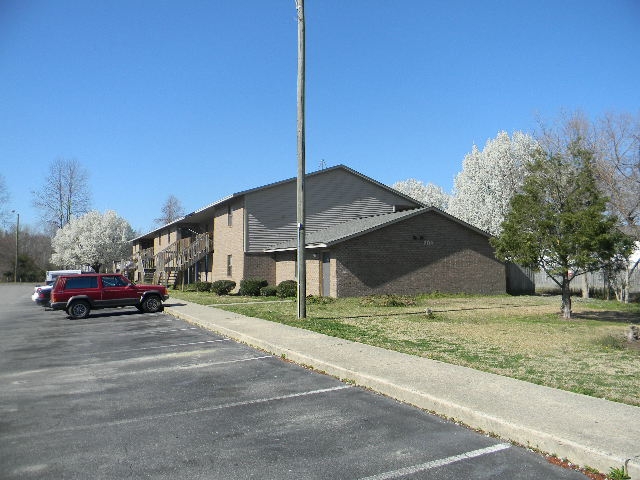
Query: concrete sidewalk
x=587 y=431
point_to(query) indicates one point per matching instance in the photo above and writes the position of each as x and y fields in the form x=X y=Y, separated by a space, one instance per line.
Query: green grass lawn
x=521 y=337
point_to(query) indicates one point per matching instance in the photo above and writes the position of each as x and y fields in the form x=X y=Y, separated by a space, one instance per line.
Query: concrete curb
x=595 y=456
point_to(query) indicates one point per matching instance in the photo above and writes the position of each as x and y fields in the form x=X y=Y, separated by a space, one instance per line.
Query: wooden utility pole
x=302 y=270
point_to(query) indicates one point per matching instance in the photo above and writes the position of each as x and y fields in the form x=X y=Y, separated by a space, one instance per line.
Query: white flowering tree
x=93 y=239
x=489 y=179
x=429 y=194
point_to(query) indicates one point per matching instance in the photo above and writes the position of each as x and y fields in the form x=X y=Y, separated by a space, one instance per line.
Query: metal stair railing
x=176 y=257
x=181 y=255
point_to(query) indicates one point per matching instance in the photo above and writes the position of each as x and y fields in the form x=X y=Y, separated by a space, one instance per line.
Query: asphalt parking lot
x=128 y=395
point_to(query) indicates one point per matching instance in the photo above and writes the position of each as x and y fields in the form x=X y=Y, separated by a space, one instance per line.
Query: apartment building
x=362 y=238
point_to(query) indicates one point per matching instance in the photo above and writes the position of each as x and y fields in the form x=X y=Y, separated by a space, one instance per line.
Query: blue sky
x=198 y=98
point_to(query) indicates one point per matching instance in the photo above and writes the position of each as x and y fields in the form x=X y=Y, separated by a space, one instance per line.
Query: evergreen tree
x=559 y=221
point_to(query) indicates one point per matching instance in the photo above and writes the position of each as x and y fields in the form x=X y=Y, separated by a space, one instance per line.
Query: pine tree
x=559 y=221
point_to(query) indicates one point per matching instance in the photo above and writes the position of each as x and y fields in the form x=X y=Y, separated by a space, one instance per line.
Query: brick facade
x=368 y=240
x=229 y=240
x=425 y=253
x=286 y=270
x=262 y=266
x=285 y=266
x=165 y=237
x=314 y=273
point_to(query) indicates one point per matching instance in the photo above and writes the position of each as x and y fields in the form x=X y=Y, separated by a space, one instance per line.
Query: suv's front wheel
x=79 y=309
x=152 y=304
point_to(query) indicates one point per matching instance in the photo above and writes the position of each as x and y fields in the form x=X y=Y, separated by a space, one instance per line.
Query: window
x=229 y=265
x=229 y=215
x=81 y=282
x=115 y=281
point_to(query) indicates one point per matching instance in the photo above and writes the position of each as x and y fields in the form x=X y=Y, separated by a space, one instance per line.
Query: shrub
x=287 y=288
x=251 y=286
x=315 y=300
x=203 y=286
x=387 y=301
x=611 y=342
x=268 y=291
x=223 y=287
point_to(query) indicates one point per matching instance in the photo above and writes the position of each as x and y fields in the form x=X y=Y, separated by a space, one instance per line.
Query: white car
x=42 y=293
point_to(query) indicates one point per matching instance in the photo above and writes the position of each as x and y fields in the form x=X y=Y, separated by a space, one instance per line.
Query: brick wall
x=314 y=272
x=229 y=240
x=426 y=253
x=286 y=269
x=260 y=266
x=285 y=266
x=333 y=280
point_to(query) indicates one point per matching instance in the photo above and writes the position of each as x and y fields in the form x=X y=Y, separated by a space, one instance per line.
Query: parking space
x=128 y=395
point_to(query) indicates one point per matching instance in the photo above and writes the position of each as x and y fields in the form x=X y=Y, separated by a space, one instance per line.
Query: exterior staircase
x=164 y=267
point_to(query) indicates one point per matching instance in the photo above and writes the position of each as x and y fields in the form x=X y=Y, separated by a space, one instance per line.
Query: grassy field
x=520 y=337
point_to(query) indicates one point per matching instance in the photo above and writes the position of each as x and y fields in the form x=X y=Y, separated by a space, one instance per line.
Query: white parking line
x=145 y=332
x=439 y=463
x=173 y=330
x=59 y=375
x=178 y=367
x=160 y=416
x=172 y=345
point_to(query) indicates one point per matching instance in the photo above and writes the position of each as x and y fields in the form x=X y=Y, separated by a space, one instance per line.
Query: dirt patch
x=570 y=466
x=608 y=316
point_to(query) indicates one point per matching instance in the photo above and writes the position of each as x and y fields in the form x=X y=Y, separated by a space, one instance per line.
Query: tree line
x=565 y=200
x=71 y=235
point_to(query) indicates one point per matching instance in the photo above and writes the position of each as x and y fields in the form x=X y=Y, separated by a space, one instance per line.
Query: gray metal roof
x=202 y=212
x=354 y=228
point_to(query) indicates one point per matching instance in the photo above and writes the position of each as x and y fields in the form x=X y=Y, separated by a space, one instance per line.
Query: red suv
x=79 y=294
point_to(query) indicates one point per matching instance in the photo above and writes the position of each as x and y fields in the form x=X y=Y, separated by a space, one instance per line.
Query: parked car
x=42 y=293
x=79 y=294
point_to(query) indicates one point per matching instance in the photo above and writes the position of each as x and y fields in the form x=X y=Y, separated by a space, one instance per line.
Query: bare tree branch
x=171 y=211
x=65 y=193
